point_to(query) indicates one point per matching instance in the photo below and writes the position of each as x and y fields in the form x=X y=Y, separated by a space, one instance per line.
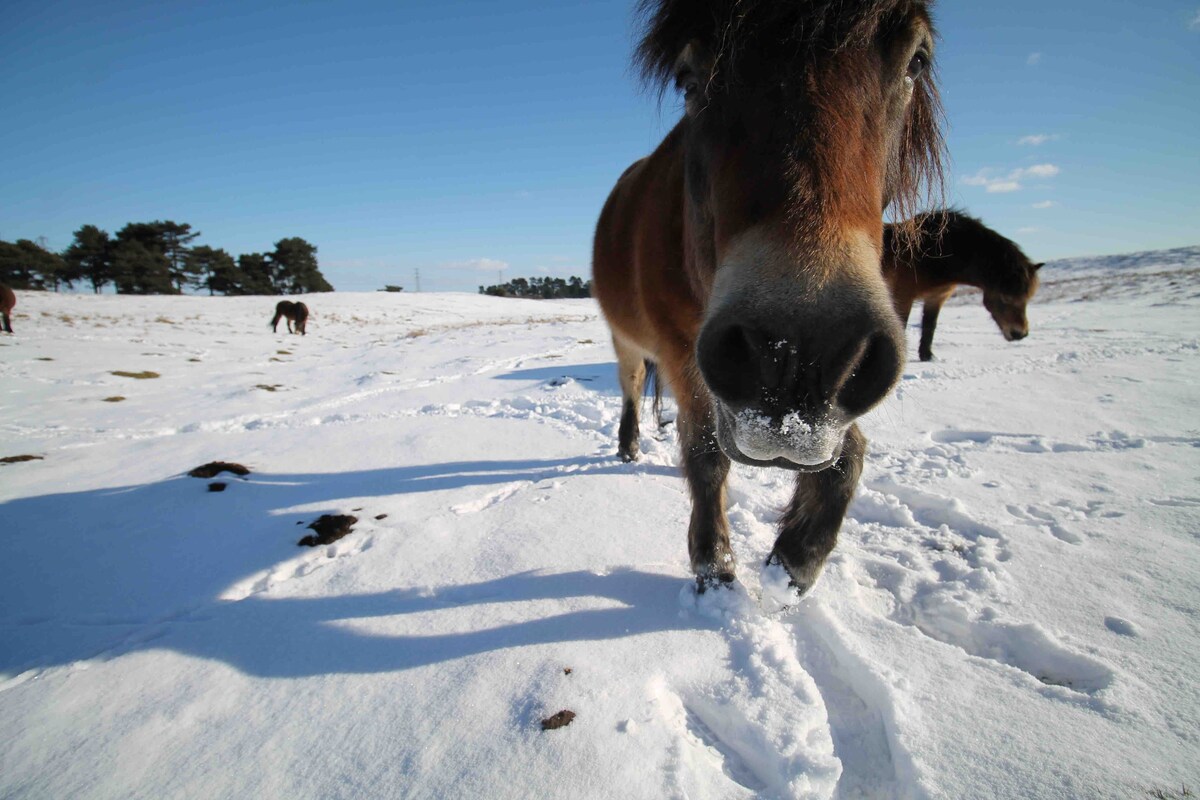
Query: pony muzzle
x=791 y=362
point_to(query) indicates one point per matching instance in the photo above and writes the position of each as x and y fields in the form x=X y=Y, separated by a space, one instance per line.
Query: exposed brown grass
x=215 y=468
x=116 y=398
x=141 y=376
x=18 y=459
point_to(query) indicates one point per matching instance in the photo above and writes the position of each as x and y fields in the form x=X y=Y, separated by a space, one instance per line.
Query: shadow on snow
x=143 y=567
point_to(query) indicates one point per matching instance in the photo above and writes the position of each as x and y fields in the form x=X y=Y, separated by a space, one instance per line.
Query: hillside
x=1011 y=610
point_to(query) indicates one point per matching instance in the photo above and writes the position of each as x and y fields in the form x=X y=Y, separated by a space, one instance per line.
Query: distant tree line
x=159 y=258
x=541 y=288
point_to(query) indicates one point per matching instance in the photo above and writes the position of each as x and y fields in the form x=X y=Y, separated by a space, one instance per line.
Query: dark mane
x=755 y=42
x=1010 y=270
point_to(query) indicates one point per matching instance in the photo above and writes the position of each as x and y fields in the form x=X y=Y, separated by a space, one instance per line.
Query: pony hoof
x=628 y=456
x=783 y=586
x=720 y=580
x=925 y=356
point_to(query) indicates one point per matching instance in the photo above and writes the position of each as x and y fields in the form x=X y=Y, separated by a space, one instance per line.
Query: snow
x=1012 y=610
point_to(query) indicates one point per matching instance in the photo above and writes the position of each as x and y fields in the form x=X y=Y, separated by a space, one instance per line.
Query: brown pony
x=295 y=312
x=952 y=248
x=742 y=256
x=8 y=301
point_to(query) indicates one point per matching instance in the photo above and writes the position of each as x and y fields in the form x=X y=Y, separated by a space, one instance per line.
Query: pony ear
x=1038 y=266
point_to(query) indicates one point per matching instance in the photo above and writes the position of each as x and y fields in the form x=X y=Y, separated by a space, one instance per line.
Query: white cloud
x=1194 y=25
x=1011 y=182
x=1045 y=204
x=1036 y=139
x=481 y=264
x=1034 y=59
x=1036 y=171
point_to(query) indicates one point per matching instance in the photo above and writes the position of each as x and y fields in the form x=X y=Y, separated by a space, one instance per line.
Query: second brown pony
x=952 y=248
x=8 y=301
x=742 y=256
x=294 y=312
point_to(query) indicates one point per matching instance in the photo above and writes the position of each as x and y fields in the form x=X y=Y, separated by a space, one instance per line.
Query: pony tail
x=655 y=385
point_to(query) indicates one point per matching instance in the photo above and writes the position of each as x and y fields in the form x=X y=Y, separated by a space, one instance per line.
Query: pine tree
x=214 y=269
x=139 y=270
x=255 y=272
x=89 y=257
x=294 y=266
x=15 y=270
x=25 y=265
x=140 y=262
x=175 y=239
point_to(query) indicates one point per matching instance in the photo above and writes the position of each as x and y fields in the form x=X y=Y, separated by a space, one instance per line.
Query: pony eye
x=917 y=65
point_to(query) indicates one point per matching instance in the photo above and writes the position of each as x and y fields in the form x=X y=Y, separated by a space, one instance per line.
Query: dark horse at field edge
x=742 y=256
x=952 y=248
x=8 y=301
x=295 y=312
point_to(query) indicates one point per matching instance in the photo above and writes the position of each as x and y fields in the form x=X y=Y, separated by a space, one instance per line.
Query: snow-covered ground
x=1013 y=610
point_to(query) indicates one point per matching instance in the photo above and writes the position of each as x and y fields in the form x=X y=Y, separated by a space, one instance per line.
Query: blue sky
x=470 y=139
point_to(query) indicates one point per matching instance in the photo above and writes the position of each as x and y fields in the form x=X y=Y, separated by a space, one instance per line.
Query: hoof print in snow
x=560 y=720
x=18 y=459
x=217 y=486
x=329 y=528
x=214 y=468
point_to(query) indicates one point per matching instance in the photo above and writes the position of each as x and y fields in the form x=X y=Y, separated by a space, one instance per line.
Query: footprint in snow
x=1040 y=518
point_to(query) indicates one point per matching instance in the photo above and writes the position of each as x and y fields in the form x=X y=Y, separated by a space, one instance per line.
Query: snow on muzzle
x=751 y=437
x=791 y=363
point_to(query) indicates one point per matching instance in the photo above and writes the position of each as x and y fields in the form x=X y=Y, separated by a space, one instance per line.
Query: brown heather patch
x=329 y=528
x=19 y=459
x=215 y=468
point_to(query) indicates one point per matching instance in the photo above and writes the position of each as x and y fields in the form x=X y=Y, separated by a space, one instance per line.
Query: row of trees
x=541 y=288
x=159 y=258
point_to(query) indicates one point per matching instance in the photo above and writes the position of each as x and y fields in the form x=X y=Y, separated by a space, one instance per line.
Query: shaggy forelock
x=755 y=40
x=735 y=29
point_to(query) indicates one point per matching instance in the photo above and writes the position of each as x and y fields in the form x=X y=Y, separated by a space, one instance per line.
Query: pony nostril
x=869 y=379
x=1018 y=335
x=744 y=365
x=736 y=362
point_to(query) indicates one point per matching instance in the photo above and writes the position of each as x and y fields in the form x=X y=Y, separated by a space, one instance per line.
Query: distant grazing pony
x=295 y=312
x=953 y=248
x=8 y=300
x=742 y=256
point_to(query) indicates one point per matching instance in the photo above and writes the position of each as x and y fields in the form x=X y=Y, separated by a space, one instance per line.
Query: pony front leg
x=809 y=528
x=631 y=371
x=706 y=468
